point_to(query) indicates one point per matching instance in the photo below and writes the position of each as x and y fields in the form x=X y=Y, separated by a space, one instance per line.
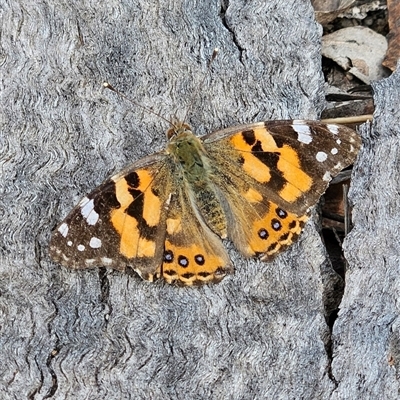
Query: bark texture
x=102 y=334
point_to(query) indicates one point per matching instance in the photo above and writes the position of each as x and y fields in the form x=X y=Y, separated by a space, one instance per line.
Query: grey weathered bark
x=104 y=334
x=366 y=335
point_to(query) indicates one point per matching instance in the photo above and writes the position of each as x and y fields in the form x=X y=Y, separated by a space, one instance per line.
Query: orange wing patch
x=252 y=165
x=298 y=182
x=262 y=159
x=139 y=207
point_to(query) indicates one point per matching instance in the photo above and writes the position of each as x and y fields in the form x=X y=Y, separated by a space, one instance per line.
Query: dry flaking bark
x=104 y=334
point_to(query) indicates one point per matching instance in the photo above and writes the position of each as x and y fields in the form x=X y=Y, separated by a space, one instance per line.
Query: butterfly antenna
x=213 y=56
x=149 y=110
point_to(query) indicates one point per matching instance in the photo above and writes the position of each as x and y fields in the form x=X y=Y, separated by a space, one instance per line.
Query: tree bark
x=103 y=334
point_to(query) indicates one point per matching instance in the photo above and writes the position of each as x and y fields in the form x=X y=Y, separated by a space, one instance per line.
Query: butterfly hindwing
x=193 y=253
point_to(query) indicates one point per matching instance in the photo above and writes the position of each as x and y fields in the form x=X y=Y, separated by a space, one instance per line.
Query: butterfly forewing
x=120 y=223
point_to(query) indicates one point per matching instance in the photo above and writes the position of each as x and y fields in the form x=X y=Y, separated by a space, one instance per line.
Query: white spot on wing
x=338 y=166
x=333 y=129
x=95 y=243
x=334 y=151
x=327 y=177
x=87 y=211
x=303 y=132
x=81 y=247
x=106 y=261
x=63 y=229
x=90 y=261
x=92 y=218
x=321 y=156
x=338 y=141
x=69 y=243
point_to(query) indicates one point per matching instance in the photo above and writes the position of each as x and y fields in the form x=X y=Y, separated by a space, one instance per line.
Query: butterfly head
x=178 y=128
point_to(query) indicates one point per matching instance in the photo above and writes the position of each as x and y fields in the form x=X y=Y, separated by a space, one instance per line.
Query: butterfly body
x=193 y=171
x=165 y=215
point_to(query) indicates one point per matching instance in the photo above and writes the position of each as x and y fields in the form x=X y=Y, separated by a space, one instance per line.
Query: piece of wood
x=104 y=334
x=366 y=335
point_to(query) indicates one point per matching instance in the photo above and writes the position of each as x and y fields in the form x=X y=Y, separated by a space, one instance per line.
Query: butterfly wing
x=193 y=253
x=120 y=223
x=271 y=173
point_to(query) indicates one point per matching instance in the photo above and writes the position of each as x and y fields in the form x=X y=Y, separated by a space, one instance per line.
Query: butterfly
x=165 y=215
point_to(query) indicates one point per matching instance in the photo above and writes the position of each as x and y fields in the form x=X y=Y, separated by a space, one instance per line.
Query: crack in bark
x=222 y=14
x=52 y=390
x=333 y=292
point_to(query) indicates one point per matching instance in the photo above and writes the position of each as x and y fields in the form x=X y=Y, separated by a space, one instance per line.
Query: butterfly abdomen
x=206 y=201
